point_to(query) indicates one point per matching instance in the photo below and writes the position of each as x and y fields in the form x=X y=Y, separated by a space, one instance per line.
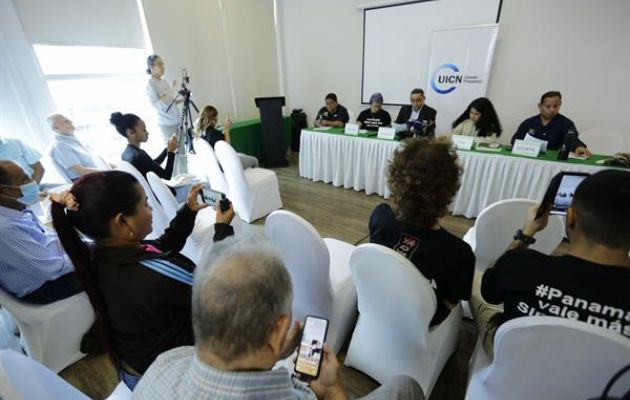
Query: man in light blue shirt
x=70 y=156
x=24 y=156
x=241 y=306
x=33 y=265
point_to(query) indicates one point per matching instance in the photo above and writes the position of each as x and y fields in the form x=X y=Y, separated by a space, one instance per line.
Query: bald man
x=71 y=157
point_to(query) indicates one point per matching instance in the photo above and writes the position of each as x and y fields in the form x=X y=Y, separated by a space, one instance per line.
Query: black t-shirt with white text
x=530 y=283
x=372 y=121
x=443 y=258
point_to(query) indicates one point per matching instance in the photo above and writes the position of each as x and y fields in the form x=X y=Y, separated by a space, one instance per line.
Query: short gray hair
x=238 y=297
x=52 y=118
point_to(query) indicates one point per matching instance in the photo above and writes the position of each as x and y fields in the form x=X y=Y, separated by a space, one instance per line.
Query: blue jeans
x=130 y=380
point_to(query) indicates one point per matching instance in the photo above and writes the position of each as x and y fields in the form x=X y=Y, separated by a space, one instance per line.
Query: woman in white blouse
x=479 y=120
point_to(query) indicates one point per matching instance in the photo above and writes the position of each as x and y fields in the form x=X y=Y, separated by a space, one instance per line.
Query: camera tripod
x=185 y=128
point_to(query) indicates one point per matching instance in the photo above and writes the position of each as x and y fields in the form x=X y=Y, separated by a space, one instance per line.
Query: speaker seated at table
x=374 y=117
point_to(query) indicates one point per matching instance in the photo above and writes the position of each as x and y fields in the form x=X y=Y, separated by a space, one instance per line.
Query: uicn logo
x=445 y=78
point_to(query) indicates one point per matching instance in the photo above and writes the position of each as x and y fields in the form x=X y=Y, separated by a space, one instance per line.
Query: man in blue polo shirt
x=550 y=125
x=70 y=156
x=24 y=156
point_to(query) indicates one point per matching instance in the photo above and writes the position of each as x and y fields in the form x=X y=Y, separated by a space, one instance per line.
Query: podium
x=271 y=128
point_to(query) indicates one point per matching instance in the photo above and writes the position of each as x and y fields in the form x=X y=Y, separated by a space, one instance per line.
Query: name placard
x=463 y=142
x=386 y=133
x=531 y=139
x=526 y=148
x=351 y=129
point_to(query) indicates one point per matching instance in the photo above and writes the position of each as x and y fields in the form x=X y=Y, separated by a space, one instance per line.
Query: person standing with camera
x=162 y=95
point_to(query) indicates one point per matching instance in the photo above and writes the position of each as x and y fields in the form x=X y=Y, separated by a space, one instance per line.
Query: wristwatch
x=519 y=235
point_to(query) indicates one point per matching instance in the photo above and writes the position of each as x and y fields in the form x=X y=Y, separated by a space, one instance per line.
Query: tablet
x=559 y=195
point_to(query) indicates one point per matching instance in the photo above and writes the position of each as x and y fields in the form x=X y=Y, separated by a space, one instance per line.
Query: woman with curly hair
x=479 y=120
x=423 y=178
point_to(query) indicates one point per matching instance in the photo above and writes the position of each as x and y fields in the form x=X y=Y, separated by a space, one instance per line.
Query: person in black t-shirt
x=374 y=117
x=550 y=125
x=134 y=129
x=423 y=178
x=590 y=283
x=206 y=129
x=332 y=114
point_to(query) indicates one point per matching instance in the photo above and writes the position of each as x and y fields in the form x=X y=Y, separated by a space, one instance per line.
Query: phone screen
x=211 y=197
x=564 y=195
x=309 y=358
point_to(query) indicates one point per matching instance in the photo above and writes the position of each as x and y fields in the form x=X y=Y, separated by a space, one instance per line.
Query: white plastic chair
x=396 y=305
x=163 y=194
x=52 y=333
x=160 y=216
x=495 y=227
x=206 y=166
x=254 y=191
x=320 y=273
x=22 y=378
x=549 y=358
x=604 y=140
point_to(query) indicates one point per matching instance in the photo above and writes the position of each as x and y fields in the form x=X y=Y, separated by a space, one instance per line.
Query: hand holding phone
x=192 y=199
x=311 y=349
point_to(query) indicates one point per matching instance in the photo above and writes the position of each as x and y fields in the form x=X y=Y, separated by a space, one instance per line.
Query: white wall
x=579 y=47
x=228 y=47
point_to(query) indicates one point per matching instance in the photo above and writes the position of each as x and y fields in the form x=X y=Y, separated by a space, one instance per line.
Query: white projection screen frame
x=397 y=38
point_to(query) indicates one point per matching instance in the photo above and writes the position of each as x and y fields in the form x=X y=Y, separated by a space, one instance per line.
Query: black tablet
x=559 y=195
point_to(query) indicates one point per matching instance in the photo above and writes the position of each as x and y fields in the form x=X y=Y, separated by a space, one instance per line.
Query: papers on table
x=322 y=128
x=543 y=143
x=576 y=157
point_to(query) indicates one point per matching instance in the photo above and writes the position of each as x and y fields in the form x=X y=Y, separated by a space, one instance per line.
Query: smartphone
x=211 y=197
x=560 y=192
x=311 y=350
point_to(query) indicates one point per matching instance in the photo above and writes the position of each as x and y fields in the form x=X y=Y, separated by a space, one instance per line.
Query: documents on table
x=543 y=143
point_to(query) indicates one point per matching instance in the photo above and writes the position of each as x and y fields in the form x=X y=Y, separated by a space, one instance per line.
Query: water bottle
x=567 y=145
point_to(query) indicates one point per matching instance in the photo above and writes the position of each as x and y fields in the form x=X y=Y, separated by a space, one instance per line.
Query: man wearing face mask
x=33 y=266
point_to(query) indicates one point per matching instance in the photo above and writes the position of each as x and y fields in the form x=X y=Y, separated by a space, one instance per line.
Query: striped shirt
x=30 y=254
x=179 y=374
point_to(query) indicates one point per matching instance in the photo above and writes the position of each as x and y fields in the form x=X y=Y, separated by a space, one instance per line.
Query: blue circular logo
x=446 y=77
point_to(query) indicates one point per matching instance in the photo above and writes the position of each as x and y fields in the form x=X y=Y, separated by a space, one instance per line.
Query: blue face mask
x=30 y=193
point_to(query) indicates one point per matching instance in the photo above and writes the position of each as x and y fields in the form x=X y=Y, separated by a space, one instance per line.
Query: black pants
x=61 y=288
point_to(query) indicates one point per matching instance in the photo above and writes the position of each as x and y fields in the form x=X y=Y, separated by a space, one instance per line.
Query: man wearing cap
x=374 y=117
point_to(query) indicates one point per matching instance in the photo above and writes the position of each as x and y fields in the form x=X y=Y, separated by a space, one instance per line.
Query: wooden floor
x=338 y=213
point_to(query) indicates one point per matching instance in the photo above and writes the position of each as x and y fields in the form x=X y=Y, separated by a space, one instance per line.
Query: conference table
x=360 y=162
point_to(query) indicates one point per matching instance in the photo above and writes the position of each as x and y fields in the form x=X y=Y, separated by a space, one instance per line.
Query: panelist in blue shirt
x=70 y=156
x=550 y=125
x=33 y=266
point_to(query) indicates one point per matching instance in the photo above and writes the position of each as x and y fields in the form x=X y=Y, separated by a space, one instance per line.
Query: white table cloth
x=360 y=163
x=348 y=161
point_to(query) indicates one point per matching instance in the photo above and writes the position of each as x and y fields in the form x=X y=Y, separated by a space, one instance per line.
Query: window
x=87 y=84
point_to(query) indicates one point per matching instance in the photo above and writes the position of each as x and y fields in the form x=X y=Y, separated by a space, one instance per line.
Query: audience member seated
x=33 y=267
x=550 y=125
x=67 y=151
x=135 y=130
x=418 y=118
x=24 y=156
x=590 y=283
x=140 y=289
x=241 y=307
x=374 y=117
x=332 y=114
x=423 y=178
x=479 y=120
x=206 y=129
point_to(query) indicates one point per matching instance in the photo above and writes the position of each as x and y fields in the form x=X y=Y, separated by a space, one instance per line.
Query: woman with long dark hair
x=134 y=129
x=140 y=289
x=479 y=120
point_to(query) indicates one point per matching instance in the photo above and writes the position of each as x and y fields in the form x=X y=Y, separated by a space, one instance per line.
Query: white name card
x=463 y=142
x=531 y=139
x=386 y=133
x=351 y=129
x=526 y=148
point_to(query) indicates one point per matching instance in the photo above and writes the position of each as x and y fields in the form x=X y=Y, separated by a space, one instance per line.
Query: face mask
x=30 y=193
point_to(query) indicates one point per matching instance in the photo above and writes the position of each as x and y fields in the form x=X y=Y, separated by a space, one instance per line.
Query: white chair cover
x=495 y=227
x=254 y=192
x=52 y=333
x=163 y=194
x=22 y=378
x=604 y=140
x=549 y=358
x=206 y=166
x=396 y=305
x=160 y=217
x=319 y=271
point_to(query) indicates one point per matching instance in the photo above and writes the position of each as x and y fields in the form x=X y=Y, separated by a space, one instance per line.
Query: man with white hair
x=69 y=154
x=241 y=309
